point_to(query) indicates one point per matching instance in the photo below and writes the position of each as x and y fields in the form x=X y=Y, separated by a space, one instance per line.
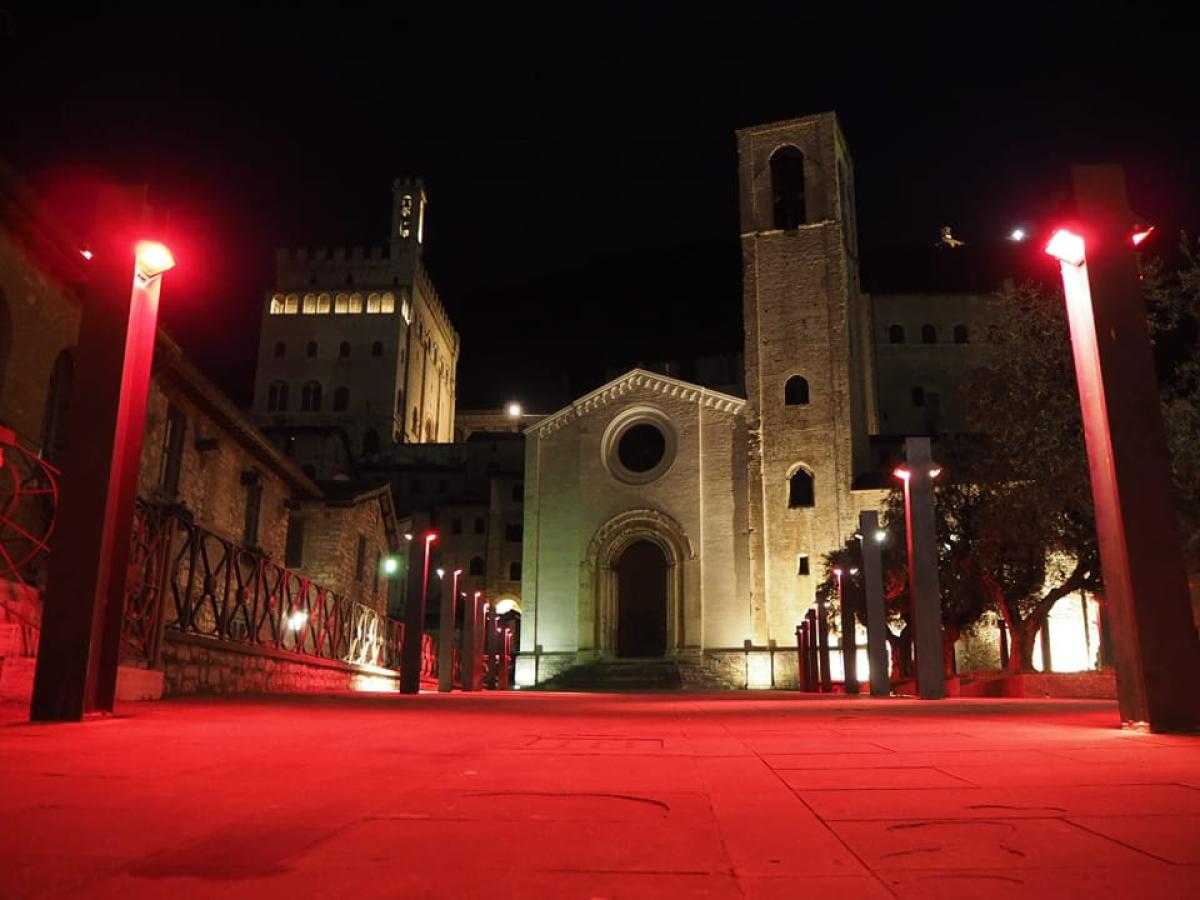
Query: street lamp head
x=430 y=537
x=880 y=536
x=935 y=471
x=1067 y=247
x=837 y=571
x=408 y=535
x=514 y=410
x=457 y=572
x=1017 y=234
x=441 y=573
x=1140 y=233
x=854 y=571
x=153 y=259
x=902 y=473
x=391 y=565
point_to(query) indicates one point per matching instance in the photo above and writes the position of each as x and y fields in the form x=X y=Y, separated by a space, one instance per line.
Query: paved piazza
x=598 y=796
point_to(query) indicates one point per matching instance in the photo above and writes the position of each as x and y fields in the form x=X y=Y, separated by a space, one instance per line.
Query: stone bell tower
x=807 y=338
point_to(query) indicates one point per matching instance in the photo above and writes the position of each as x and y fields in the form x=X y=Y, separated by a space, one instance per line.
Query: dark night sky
x=580 y=159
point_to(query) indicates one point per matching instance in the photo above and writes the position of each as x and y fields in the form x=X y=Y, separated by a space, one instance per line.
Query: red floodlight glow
x=1066 y=247
x=902 y=473
x=153 y=259
x=1141 y=235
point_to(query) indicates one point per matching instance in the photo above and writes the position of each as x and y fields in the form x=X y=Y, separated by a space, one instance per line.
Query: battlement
x=342 y=255
x=435 y=304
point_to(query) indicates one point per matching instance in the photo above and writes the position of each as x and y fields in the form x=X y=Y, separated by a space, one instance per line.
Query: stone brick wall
x=211 y=472
x=330 y=554
x=196 y=667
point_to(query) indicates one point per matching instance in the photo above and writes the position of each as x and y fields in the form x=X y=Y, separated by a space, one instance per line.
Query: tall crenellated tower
x=807 y=333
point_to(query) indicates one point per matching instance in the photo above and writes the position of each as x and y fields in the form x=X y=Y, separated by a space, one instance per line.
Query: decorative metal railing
x=187 y=579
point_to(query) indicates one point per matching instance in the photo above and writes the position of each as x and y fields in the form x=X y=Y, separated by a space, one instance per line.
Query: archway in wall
x=600 y=571
x=642 y=601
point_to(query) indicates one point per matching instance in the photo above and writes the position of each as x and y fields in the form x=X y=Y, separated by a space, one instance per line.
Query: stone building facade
x=356 y=340
x=664 y=519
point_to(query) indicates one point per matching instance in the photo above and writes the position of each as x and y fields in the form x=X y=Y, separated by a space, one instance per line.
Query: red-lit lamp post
x=1155 y=647
x=446 y=635
x=470 y=641
x=414 y=622
x=84 y=601
x=923 y=588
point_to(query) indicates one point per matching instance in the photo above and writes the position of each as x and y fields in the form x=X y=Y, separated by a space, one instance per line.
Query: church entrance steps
x=619 y=676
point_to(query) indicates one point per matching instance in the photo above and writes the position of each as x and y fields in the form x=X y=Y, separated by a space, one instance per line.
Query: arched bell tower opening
x=641 y=601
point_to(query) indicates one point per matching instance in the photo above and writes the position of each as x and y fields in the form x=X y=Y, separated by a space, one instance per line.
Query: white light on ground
x=297 y=620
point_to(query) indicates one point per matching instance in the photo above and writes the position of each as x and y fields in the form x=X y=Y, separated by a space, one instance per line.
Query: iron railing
x=189 y=580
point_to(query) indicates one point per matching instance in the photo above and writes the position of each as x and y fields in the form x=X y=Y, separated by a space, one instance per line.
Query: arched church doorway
x=642 y=601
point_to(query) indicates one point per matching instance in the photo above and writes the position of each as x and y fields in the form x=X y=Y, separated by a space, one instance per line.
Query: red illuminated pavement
x=589 y=796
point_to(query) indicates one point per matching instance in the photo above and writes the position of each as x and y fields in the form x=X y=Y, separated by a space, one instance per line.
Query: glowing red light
x=153 y=259
x=1139 y=236
x=902 y=473
x=1067 y=247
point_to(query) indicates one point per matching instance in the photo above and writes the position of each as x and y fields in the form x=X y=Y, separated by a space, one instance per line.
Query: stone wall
x=199 y=666
x=330 y=554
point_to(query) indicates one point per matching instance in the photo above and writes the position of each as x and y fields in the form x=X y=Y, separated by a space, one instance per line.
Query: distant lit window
x=377 y=348
x=277 y=397
x=896 y=334
x=961 y=336
x=387 y=303
x=928 y=334
x=310 y=349
x=356 y=303
x=277 y=305
x=373 y=303
x=310 y=397
x=341 y=304
x=310 y=304
x=291 y=304
x=344 y=350
x=341 y=399
x=323 y=304
x=280 y=349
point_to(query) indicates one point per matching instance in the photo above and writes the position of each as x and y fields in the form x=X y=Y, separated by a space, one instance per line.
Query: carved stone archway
x=598 y=577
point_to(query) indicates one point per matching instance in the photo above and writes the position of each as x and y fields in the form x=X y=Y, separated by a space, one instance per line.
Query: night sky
x=580 y=159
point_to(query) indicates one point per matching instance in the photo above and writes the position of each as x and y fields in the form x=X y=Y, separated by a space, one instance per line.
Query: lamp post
x=823 y=646
x=1156 y=651
x=470 y=641
x=446 y=635
x=923 y=588
x=83 y=606
x=414 y=622
x=849 y=639
x=871 y=538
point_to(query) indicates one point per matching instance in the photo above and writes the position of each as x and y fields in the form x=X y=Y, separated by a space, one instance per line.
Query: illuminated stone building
x=673 y=520
x=356 y=347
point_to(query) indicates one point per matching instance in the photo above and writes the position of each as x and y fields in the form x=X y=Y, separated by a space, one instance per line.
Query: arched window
x=341 y=398
x=787 y=188
x=310 y=349
x=800 y=489
x=280 y=349
x=961 y=335
x=310 y=397
x=377 y=348
x=795 y=391
x=928 y=334
x=277 y=397
x=344 y=350
x=514 y=571
x=370 y=442
x=896 y=334
x=323 y=303
x=476 y=567
x=310 y=304
x=56 y=420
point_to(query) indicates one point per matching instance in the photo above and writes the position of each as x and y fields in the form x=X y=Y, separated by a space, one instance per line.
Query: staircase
x=635 y=675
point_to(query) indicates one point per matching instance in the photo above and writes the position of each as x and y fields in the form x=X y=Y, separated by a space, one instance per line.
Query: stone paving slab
x=598 y=797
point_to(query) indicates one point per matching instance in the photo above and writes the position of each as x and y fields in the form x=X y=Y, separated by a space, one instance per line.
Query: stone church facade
x=667 y=520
